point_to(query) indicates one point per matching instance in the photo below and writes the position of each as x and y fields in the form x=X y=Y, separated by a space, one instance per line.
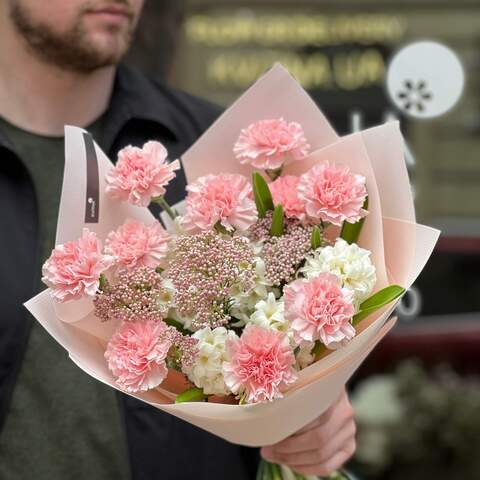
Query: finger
x=325 y=451
x=324 y=469
x=341 y=404
x=327 y=415
x=341 y=441
x=302 y=458
x=321 y=420
x=297 y=443
x=316 y=437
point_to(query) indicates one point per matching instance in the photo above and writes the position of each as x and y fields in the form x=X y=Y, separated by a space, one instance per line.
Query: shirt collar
x=5 y=142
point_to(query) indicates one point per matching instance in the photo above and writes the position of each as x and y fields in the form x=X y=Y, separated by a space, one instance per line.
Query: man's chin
x=108 y=47
x=94 y=41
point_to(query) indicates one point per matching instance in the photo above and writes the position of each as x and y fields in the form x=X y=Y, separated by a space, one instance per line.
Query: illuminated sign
x=321 y=51
x=292 y=30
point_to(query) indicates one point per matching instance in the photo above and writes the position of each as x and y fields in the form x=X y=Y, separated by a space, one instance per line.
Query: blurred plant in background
x=418 y=425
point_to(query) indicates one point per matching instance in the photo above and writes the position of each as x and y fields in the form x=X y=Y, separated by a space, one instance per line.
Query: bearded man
x=59 y=64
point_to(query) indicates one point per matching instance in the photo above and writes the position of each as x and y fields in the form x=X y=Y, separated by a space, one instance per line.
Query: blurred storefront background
x=341 y=51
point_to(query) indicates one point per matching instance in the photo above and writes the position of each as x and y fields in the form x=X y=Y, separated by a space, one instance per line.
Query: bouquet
x=245 y=308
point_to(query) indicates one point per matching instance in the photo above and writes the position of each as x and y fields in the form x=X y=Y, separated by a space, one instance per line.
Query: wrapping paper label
x=92 y=199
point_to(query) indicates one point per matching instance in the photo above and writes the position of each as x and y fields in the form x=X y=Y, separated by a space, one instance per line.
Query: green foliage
x=174 y=323
x=378 y=300
x=262 y=195
x=316 y=240
x=276 y=230
x=103 y=282
x=318 y=349
x=191 y=395
x=351 y=231
x=272 y=471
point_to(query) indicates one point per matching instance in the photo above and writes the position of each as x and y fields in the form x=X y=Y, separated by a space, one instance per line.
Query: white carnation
x=349 y=262
x=269 y=313
x=206 y=373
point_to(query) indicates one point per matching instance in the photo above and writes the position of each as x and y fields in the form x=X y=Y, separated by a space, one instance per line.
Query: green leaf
x=316 y=239
x=175 y=323
x=378 y=300
x=318 y=349
x=102 y=282
x=351 y=231
x=191 y=395
x=276 y=230
x=262 y=195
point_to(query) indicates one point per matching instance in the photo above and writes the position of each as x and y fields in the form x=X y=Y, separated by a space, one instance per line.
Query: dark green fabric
x=62 y=424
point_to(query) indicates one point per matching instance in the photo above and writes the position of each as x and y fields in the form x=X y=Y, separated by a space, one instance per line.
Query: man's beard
x=71 y=50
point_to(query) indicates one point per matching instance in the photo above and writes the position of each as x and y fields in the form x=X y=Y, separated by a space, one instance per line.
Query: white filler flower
x=244 y=302
x=206 y=373
x=349 y=262
x=269 y=313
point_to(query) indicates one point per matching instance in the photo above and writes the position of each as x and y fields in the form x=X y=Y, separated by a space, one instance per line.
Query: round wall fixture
x=425 y=79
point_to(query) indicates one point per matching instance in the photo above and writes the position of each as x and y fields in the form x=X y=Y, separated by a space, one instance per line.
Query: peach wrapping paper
x=400 y=250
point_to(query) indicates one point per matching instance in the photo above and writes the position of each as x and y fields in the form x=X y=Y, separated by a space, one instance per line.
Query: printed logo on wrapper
x=83 y=306
x=92 y=205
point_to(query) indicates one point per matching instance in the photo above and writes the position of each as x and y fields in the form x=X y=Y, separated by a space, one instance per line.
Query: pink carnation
x=74 y=268
x=136 y=355
x=284 y=191
x=267 y=144
x=333 y=194
x=136 y=244
x=224 y=198
x=320 y=309
x=141 y=174
x=261 y=364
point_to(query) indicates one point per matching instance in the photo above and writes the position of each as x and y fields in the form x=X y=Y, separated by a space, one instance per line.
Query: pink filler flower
x=267 y=144
x=333 y=194
x=136 y=244
x=224 y=198
x=285 y=192
x=136 y=354
x=141 y=173
x=74 y=268
x=261 y=364
x=320 y=309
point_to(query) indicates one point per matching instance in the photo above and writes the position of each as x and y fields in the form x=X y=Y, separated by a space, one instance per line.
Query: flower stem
x=166 y=207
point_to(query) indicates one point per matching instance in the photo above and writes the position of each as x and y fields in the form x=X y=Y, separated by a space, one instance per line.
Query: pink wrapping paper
x=400 y=250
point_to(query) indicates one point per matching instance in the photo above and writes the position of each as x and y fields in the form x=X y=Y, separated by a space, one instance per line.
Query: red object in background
x=452 y=339
x=465 y=245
